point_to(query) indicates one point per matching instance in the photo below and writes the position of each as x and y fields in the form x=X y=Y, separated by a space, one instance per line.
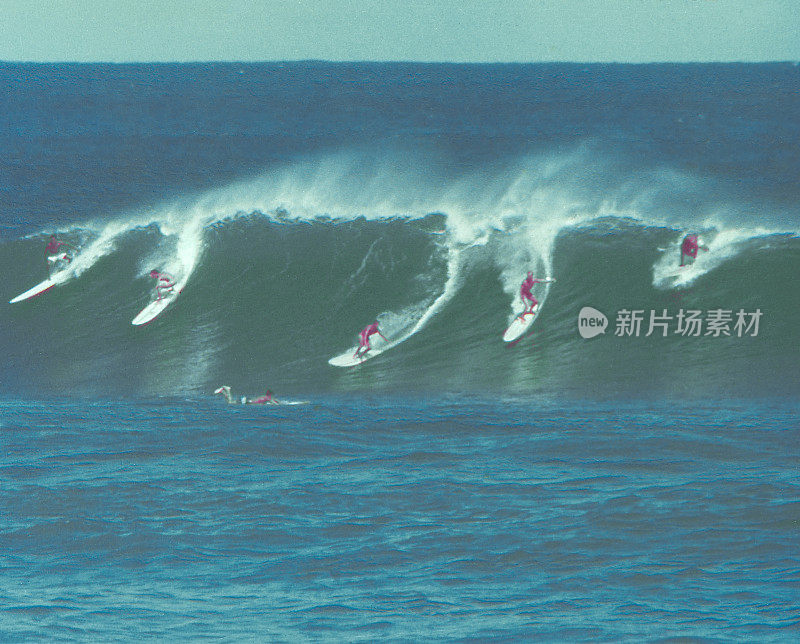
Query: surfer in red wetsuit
x=164 y=282
x=261 y=400
x=689 y=248
x=53 y=254
x=525 y=292
x=363 y=339
x=53 y=245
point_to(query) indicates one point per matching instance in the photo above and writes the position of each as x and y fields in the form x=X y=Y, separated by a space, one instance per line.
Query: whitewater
x=408 y=251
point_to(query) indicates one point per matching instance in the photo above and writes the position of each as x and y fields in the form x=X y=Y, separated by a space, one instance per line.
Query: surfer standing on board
x=527 y=296
x=689 y=248
x=363 y=338
x=164 y=282
x=53 y=253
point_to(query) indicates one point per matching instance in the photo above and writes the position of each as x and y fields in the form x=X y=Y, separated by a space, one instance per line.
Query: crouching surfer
x=55 y=254
x=689 y=248
x=164 y=282
x=267 y=398
x=363 y=338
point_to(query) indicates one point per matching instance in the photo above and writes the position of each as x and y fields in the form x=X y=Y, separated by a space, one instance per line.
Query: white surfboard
x=276 y=403
x=520 y=325
x=40 y=288
x=56 y=278
x=349 y=359
x=225 y=390
x=154 y=309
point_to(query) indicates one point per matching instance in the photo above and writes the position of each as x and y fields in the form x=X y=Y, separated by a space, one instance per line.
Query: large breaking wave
x=282 y=270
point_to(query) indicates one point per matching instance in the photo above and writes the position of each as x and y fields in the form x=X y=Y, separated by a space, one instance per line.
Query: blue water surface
x=385 y=518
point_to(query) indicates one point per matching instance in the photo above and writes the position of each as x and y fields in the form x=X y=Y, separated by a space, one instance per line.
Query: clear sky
x=413 y=30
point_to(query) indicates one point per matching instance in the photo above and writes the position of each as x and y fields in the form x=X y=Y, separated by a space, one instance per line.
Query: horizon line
x=392 y=62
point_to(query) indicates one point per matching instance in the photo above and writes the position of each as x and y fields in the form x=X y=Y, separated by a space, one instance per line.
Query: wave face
x=298 y=203
x=268 y=303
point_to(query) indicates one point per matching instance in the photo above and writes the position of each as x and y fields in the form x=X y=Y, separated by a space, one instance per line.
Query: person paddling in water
x=267 y=398
x=689 y=248
x=263 y=400
x=164 y=282
x=363 y=338
x=529 y=302
x=54 y=253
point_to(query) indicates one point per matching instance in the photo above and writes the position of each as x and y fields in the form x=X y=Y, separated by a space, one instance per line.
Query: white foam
x=400 y=326
x=723 y=245
x=514 y=209
x=100 y=246
x=179 y=251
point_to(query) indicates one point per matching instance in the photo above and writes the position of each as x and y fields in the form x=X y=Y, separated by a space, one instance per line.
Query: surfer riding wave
x=689 y=248
x=164 y=282
x=363 y=339
x=54 y=253
x=529 y=302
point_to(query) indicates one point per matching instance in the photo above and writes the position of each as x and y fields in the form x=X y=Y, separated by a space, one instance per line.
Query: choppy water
x=364 y=519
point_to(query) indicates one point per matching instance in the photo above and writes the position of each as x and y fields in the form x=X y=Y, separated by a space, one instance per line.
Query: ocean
x=627 y=470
